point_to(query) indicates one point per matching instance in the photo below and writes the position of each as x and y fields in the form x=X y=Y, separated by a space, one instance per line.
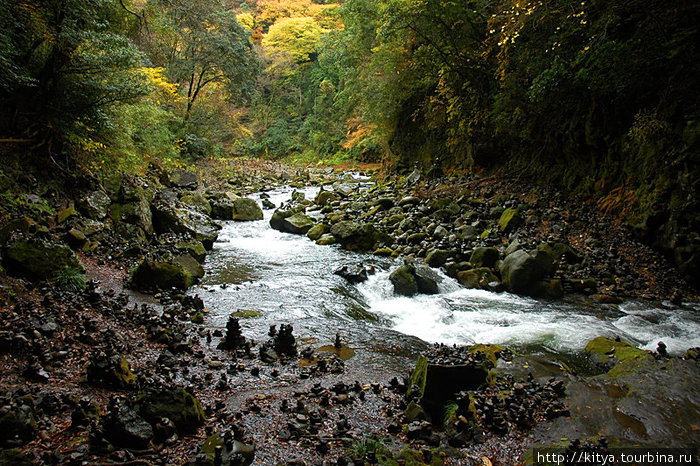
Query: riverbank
x=94 y=368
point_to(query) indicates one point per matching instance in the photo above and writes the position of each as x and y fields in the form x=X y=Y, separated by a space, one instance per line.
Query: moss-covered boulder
x=559 y=251
x=404 y=280
x=39 y=260
x=151 y=276
x=176 y=404
x=124 y=427
x=194 y=248
x=355 y=236
x=298 y=224
x=245 y=209
x=95 y=204
x=324 y=197
x=316 y=231
x=110 y=371
x=484 y=257
x=607 y=353
x=510 y=220
x=190 y=265
x=549 y=289
x=437 y=257
x=280 y=215
x=477 y=278
x=326 y=239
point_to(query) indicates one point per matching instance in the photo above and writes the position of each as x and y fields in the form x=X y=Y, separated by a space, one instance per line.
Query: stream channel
x=289 y=279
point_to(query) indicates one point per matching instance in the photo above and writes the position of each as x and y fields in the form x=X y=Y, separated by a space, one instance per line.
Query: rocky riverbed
x=112 y=356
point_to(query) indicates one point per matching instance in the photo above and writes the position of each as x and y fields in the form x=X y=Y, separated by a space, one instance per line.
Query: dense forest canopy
x=598 y=97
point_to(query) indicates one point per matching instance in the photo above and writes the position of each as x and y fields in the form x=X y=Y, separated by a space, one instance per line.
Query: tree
x=201 y=43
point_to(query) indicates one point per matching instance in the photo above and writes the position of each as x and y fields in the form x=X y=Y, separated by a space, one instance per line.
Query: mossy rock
x=608 y=354
x=15 y=457
x=383 y=252
x=298 y=224
x=66 y=213
x=492 y=352
x=477 y=278
x=557 y=251
x=39 y=260
x=111 y=371
x=246 y=209
x=510 y=220
x=246 y=314
x=150 y=276
x=437 y=257
x=548 y=289
x=190 y=265
x=316 y=231
x=326 y=239
x=176 y=404
x=404 y=280
x=194 y=248
x=484 y=257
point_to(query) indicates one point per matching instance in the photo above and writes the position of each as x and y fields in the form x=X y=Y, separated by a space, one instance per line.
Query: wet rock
x=245 y=209
x=317 y=231
x=607 y=353
x=520 y=270
x=480 y=278
x=355 y=236
x=38 y=260
x=344 y=189
x=176 y=404
x=404 y=280
x=110 y=371
x=190 y=266
x=437 y=257
x=125 y=428
x=298 y=223
x=267 y=204
x=548 y=289
x=426 y=280
x=194 y=248
x=326 y=239
x=484 y=257
x=324 y=197
x=150 y=276
x=225 y=451
x=354 y=273
x=277 y=221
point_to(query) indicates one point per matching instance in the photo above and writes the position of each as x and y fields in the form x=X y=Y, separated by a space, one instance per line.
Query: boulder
x=550 y=289
x=344 y=189
x=150 y=276
x=355 y=236
x=197 y=201
x=426 y=280
x=180 y=179
x=246 y=209
x=479 y=278
x=176 y=404
x=190 y=265
x=324 y=197
x=316 y=231
x=94 y=205
x=404 y=280
x=510 y=220
x=437 y=257
x=520 y=271
x=354 y=273
x=606 y=353
x=38 y=260
x=559 y=251
x=484 y=257
x=123 y=427
x=175 y=217
x=110 y=371
x=194 y=248
x=131 y=214
x=298 y=223
x=279 y=215
x=326 y=239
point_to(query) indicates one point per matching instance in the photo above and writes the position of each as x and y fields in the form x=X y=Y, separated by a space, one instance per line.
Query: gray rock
x=95 y=205
x=404 y=280
x=484 y=257
x=125 y=428
x=245 y=209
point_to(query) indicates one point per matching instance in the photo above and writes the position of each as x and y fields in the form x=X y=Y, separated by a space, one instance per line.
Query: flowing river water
x=290 y=279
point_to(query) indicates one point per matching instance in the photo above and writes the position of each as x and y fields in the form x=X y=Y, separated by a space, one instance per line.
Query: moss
x=509 y=221
x=246 y=314
x=418 y=377
x=624 y=357
x=178 y=405
x=492 y=352
x=384 y=252
x=160 y=275
x=38 y=260
x=359 y=313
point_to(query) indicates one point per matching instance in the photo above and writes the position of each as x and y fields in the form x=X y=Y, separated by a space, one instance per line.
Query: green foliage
x=21 y=204
x=70 y=279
